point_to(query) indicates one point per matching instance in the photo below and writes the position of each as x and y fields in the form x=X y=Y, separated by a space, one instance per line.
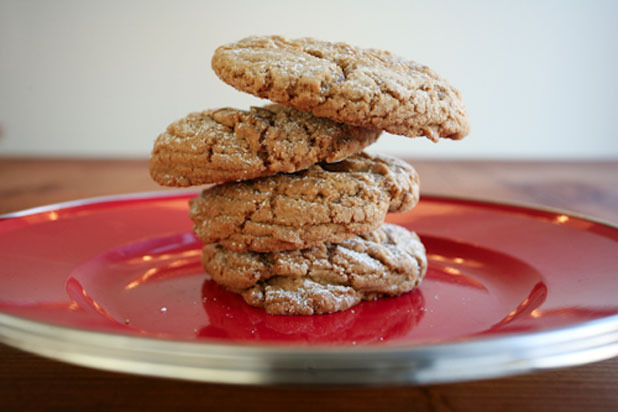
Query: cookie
x=364 y=87
x=227 y=144
x=329 y=202
x=328 y=278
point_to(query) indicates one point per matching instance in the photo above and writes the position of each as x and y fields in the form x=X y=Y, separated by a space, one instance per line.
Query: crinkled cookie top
x=227 y=144
x=329 y=202
x=364 y=87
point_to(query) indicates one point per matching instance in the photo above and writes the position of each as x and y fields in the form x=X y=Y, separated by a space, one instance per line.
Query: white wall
x=539 y=78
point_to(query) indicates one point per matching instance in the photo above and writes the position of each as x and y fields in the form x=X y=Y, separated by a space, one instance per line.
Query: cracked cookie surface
x=329 y=202
x=228 y=144
x=364 y=87
x=388 y=261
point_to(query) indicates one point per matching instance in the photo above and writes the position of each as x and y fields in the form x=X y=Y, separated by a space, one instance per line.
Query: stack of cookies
x=296 y=222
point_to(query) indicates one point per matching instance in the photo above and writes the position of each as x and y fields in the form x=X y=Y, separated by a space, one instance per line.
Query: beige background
x=104 y=78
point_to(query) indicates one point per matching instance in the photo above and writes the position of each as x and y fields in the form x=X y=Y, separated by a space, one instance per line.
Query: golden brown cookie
x=227 y=144
x=328 y=278
x=364 y=87
x=329 y=202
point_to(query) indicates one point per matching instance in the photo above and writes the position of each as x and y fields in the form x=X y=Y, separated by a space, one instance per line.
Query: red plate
x=132 y=266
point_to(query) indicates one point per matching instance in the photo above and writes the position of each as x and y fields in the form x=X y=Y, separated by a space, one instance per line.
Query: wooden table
x=29 y=382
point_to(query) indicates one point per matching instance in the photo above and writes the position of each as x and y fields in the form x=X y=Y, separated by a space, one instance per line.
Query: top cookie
x=224 y=145
x=364 y=87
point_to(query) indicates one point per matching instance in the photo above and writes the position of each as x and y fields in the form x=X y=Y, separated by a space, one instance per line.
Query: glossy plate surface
x=117 y=283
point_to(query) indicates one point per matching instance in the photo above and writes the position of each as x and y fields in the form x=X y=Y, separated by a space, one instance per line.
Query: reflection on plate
x=157 y=287
x=126 y=271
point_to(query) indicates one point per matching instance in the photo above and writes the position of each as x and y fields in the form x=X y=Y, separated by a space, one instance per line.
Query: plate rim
x=459 y=360
x=455 y=360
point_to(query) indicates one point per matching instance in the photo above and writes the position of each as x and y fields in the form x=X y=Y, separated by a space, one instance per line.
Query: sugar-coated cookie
x=371 y=88
x=329 y=202
x=227 y=144
x=328 y=278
